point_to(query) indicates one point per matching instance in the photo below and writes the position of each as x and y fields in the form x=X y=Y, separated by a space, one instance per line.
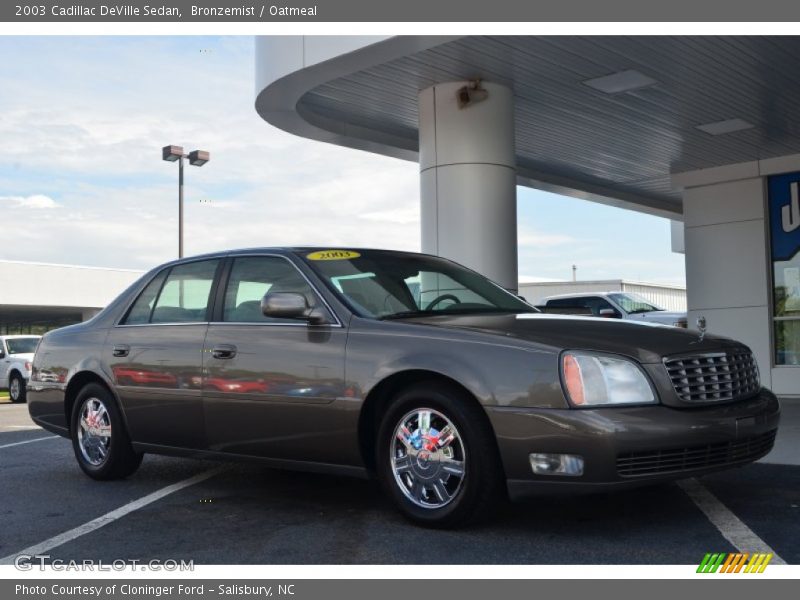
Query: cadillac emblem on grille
x=701 y=327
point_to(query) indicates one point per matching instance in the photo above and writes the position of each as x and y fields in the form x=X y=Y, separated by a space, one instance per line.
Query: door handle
x=223 y=351
x=121 y=350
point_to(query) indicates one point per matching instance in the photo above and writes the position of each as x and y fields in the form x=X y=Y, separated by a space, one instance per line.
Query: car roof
x=286 y=250
x=304 y=249
x=18 y=336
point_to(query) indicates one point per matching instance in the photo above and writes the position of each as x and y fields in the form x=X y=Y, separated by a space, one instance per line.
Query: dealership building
x=700 y=130
x=36 y=297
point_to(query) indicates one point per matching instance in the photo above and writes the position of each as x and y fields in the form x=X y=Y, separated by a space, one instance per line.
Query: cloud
x=83 y=135
x=97 y=150
x=402 y=216
x=36 y=201
x=529 y=238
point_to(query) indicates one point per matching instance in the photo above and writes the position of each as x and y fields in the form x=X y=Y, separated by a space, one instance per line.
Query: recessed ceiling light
x=727 y=126
x=624 y=81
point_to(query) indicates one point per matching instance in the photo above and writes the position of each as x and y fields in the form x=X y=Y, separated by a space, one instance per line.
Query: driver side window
x=253 y=276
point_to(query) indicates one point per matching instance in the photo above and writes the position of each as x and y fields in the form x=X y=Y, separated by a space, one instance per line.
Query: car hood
x=642 y=341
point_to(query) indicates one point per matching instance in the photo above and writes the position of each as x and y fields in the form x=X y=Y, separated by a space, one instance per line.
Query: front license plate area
x=745 y=426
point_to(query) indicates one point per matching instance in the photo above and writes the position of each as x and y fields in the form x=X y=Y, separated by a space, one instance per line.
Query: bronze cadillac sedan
x=450 y=390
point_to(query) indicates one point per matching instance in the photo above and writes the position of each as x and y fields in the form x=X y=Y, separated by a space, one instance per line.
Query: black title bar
x=400 y=11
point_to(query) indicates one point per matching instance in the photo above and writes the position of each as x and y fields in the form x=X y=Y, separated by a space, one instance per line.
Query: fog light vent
x=557 y=464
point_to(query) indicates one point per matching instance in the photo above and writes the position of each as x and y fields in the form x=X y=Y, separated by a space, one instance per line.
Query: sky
x=83 y=120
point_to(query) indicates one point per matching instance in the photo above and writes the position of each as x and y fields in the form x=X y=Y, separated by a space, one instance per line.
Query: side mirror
x=608 y=313
x=291 y=305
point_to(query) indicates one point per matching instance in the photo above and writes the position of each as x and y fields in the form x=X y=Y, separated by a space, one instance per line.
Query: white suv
x=16 y=355
x=614 y=305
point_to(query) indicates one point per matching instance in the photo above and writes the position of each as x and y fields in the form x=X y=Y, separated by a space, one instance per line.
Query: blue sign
x=783 y=198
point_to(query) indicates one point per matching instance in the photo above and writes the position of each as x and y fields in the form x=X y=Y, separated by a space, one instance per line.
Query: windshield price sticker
x=333 y=255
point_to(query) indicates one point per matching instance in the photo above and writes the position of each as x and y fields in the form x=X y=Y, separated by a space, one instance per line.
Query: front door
x=155 y=355
x=271 y=385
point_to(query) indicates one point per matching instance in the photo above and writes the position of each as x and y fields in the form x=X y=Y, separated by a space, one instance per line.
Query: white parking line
x=729 y=525
x=10 y=428
x=109 y=517
x=49 y=437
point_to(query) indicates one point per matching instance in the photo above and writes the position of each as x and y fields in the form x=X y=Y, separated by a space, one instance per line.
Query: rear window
x=22 y=345
x=566 y=303
x=184 y=297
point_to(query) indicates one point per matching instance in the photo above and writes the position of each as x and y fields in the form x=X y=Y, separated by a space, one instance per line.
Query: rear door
x=275 y=387
x=156 y=356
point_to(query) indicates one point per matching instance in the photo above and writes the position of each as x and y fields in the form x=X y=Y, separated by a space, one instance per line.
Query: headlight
x=601 y=380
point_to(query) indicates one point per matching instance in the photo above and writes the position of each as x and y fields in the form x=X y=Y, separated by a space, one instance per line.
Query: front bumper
x=626 y=447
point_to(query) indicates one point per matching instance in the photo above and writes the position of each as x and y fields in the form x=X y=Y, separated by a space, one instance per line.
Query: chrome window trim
x=162 y=324
x=232 y=257
x=264 y=324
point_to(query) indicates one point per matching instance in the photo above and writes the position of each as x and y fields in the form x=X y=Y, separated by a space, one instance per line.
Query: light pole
x=197 y=158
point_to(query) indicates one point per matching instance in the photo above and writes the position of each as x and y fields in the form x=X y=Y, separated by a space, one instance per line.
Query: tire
x=101 y=456
x=17 y=389
x=409 y=468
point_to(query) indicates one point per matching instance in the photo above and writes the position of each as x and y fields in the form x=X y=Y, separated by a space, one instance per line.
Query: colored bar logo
x=740 y=562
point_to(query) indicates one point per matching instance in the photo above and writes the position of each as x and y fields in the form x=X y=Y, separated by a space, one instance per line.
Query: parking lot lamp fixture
x=197 y=158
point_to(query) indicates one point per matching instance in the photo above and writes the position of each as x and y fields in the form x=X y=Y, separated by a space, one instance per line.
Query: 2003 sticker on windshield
x=333 y=255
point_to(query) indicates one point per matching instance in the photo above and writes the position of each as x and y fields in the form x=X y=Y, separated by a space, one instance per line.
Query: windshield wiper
x=408 y=313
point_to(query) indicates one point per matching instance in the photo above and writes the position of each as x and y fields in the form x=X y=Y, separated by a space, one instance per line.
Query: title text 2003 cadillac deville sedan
x=449 y=389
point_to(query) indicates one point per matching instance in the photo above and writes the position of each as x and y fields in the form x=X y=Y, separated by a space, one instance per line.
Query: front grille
x=654 y=462
x=717 y=377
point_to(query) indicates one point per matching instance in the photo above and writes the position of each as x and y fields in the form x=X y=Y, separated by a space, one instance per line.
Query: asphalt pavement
x=247 y=514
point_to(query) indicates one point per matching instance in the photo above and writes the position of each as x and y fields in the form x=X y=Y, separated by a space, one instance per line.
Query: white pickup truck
x=16 y=355
x=613 y=305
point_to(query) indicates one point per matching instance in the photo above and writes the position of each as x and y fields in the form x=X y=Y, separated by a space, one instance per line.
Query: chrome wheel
x=428 y=458
x=94 y=432
x=14 y=389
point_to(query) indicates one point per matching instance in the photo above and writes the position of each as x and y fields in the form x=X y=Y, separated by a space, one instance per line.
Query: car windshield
x=634 y=303
x=22 y=345
x=386 y=285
